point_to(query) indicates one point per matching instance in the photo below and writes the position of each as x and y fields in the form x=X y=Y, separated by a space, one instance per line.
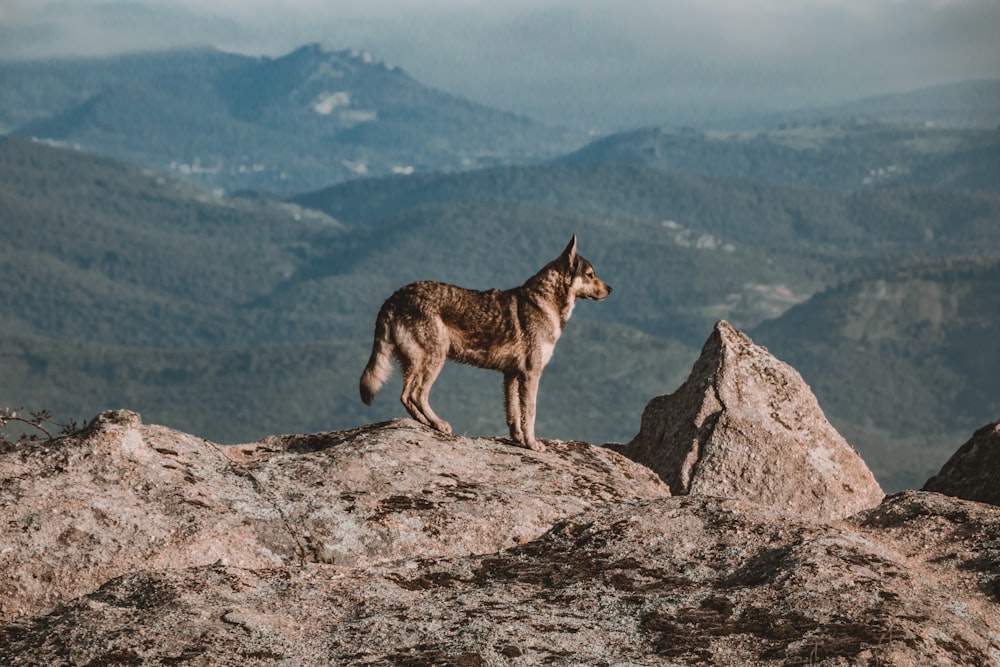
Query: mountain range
x=864 y=253
x=315 y=116
x=307 y=119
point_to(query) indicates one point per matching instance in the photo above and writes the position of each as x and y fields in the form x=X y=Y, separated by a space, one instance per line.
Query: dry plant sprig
x=44 y=428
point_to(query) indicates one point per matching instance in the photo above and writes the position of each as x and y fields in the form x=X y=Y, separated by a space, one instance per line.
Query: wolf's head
x=584 y=282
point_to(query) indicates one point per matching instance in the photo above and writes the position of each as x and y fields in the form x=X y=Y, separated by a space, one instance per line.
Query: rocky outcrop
x=973 y=472
x=683 y=580
x=124 y=496
x=745 y=425
x=134 y=544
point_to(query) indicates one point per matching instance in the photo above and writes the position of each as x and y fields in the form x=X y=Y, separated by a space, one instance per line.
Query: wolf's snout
x=599 y=294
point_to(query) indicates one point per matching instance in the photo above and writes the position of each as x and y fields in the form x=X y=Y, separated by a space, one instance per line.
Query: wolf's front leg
x=512 y=404
x=529 y=397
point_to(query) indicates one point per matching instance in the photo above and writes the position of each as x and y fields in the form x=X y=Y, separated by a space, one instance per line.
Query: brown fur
x=512 y=331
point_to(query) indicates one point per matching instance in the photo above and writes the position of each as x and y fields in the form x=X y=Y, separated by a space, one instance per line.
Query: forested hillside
x=842 y=156
x=909 y=356
x=236 y=317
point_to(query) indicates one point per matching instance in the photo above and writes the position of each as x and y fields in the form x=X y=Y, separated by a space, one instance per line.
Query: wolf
x=513 y=331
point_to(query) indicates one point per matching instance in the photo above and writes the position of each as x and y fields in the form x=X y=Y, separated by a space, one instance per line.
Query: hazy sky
x=601 y=63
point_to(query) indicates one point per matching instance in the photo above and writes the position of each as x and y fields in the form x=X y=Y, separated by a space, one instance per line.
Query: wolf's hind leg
x=409 y=396
x=428 y=374
x=421 y=353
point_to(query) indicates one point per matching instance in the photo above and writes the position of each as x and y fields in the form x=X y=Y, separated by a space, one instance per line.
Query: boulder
x=745 y=425
x=973 y=472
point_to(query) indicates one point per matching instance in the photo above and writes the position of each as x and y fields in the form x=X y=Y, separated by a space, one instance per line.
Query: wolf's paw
x=444 y=427
x=535 y=445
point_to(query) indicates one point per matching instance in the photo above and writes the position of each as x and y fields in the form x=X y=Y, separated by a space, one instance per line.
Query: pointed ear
x=570 y=252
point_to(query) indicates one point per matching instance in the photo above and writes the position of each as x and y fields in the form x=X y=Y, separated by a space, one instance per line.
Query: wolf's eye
x=590 y=273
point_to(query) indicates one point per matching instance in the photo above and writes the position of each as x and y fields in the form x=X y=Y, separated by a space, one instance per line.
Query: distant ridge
x=840 y=154
x=967 y=104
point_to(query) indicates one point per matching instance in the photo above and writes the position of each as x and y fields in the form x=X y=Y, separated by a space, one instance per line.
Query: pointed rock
x=973 y=472
x=745 y=425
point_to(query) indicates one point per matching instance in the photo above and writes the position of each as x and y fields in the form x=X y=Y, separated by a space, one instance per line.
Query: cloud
x=56 y=28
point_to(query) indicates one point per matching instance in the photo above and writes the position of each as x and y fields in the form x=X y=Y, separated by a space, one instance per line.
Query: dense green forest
x=237 y=317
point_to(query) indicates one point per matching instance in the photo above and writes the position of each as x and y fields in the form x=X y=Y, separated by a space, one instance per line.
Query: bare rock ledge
x=124 y=496
x=135 y=544
x=670 y=581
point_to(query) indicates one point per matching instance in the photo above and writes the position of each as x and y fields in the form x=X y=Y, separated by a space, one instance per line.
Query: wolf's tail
x=379 y=366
